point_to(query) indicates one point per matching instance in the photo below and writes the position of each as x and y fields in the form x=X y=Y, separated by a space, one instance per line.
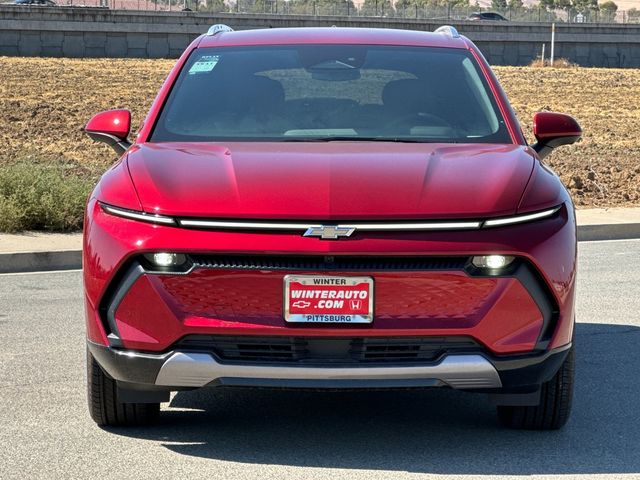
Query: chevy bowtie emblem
x=329 y=232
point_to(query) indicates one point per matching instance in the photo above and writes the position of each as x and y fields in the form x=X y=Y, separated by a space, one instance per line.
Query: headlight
x=163 y=259
x=493 y=262
x=528 y=217
x=144 y=217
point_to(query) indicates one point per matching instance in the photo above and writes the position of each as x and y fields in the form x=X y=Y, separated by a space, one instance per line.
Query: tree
x=319 y=7
x=215 y=6
x=609 y=10
x=515 y=5
x=633 y=15
x=547 y=4
x=499 y=5
x=584 y=6
x=375 y=8
x=563 y=5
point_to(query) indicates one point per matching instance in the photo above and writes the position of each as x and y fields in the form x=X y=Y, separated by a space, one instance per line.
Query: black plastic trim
x=325 y=384
x=118 y=145
x=132 y=393
x=544 y=147
x=328 y=262
x=139 y=369
x=118 y=289
x=336 y=351
x=519 y=374
x=527 y=370
x=537 y=288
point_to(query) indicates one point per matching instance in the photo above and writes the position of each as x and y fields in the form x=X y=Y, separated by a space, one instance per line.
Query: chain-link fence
x=369 y=8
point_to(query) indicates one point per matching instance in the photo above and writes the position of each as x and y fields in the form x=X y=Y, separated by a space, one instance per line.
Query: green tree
x=376 y=8
x=563 y=5
x=316 y=7
x=609 y=10
x=303 y=7
x=547 y=4
x=515 y=5
x=583 y=6
x=499 y=5
x=633 y=15
x=215 y=6
x=431 y=8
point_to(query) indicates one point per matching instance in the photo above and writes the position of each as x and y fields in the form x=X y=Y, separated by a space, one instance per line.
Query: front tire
x=555 y=403
x=104 y=407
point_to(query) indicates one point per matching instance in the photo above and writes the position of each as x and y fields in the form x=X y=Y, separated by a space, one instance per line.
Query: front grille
x=327 y=262
x=326 y=350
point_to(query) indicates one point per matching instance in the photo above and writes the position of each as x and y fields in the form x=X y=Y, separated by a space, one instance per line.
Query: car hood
x=330 y=180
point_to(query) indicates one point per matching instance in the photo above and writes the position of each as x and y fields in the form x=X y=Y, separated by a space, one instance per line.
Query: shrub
x=37 y=196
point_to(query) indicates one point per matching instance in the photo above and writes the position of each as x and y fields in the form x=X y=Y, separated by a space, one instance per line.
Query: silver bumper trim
x=456 y=371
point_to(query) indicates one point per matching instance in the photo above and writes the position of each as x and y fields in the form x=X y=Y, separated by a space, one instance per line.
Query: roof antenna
x=448 y=30
x=219 y=28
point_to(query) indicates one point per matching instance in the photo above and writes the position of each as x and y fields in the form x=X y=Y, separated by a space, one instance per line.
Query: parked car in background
x=331 y=208
x=486 y=16
x=46 y=3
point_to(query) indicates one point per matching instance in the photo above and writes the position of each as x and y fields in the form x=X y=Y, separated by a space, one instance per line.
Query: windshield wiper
x=356 y=138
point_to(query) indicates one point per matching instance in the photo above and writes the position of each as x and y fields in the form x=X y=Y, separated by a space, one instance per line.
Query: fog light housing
x=492 y=262
x=164 y=259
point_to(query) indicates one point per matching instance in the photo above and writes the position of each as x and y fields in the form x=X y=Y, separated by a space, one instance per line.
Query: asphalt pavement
x=45 y=431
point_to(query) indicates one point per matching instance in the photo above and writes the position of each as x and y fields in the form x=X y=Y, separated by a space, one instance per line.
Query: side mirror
x=554 y=130
x=111 y=127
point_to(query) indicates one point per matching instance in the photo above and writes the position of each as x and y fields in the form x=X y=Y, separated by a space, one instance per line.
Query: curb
x=616 y=231
x=72 y=259
x=40 y=261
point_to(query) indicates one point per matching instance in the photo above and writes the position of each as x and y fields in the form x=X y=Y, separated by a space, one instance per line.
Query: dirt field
x=45 y=102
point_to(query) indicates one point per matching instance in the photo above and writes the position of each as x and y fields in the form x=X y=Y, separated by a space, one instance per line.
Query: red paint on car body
x=330 y=183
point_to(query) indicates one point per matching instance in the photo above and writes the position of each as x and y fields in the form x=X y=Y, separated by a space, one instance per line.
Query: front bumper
x=507 y=312
x=478 y=371
x=130 y=307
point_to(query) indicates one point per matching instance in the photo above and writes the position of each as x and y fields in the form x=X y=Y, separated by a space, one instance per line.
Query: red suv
x=331 y=208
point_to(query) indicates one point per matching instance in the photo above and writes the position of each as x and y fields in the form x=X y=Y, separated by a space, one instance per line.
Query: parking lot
x=45 y=430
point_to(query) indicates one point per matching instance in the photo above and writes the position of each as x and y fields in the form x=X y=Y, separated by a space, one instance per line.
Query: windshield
x=331 y=92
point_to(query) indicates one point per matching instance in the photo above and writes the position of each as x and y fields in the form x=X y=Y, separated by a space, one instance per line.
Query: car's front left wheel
x=104 y=406
x=555 y=402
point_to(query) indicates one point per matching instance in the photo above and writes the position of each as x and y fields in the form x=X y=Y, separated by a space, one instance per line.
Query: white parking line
x=610 y=241
x=39 y=272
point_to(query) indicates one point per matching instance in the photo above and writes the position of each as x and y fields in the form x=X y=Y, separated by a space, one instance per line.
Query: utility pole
x=553 y=42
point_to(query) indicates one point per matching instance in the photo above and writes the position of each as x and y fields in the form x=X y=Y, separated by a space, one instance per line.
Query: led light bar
x=242 y=225
x=497 y=222
x=371 y=227
x=304 y=227
x=414 y=226
x=144 y=217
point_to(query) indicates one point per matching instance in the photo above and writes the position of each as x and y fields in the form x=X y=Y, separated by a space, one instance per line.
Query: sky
x=622 y=4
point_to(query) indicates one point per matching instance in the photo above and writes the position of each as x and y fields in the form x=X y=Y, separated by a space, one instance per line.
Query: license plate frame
x=294 y=314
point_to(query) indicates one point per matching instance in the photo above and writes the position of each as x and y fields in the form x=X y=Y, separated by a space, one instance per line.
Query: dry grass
x=557 y=63
x=44 y=103
x=603 y=169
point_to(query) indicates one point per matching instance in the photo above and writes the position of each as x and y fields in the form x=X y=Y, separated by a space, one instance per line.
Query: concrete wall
x=91 y=32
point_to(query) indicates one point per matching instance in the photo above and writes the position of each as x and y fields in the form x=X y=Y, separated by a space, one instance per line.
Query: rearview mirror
x=554 y=130
x=111 y=127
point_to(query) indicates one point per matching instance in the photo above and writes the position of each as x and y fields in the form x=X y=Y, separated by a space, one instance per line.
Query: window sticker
x=205 y=64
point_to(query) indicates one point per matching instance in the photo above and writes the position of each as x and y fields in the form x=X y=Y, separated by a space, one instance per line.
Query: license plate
x=321 y=299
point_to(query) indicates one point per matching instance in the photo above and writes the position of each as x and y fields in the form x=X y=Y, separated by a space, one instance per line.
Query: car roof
x=332 y=35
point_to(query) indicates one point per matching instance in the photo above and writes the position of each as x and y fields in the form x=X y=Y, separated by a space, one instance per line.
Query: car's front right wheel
x=104 y=405
x=555 y=402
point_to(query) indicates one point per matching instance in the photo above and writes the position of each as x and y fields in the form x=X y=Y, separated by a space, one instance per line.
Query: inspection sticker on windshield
x=206 y=63
x=321 y=299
